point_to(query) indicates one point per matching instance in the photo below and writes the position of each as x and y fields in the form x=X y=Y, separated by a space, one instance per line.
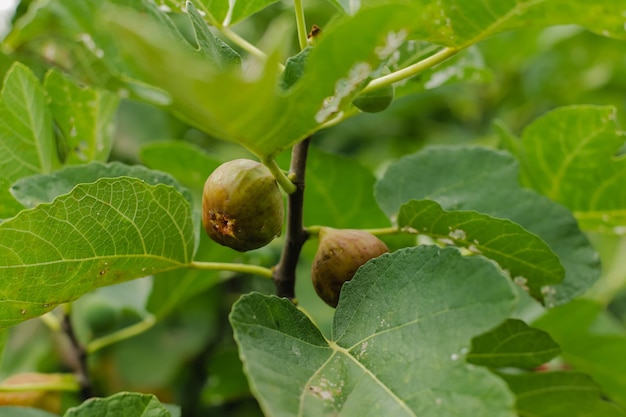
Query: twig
x=285 y=271
x=82 y=373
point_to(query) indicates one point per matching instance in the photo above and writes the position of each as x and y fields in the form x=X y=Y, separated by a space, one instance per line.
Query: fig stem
x=300 y=24
x=315 y=230
x=245 y=45
x=283 y=180
x=122 y=334
x=411 y=70
x=296 y=235
x=233 y=267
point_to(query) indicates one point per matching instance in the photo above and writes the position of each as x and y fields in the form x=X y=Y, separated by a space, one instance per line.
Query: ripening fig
x=376 y=100
x=339 y=254
x=242 y=206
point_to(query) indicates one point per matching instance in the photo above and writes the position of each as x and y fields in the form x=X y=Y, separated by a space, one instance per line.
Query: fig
x=376 y=100
x=242 y=206
x=101 y=315
x=339 y=254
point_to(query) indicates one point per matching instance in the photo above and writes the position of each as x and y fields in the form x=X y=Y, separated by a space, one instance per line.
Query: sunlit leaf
x=27 y=145
x=570 y=156
x=100 y=234
x=84 y=117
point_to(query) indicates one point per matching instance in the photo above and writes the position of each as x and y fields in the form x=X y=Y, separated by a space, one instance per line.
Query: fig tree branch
x=80 y=358
x=296 y=235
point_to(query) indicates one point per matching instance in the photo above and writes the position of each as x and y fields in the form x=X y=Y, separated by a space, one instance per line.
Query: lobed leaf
x=100 y=234
x=399 y=335
x=556 y=394
x=527 y=259
x=513 y=344
x=122 y=404
x=571 y=156
x=27 y=145
x=474 y=178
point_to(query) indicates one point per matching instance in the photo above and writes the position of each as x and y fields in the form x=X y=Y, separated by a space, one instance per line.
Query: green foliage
x=132 y=404
x=400 y=334
x=513 y=344
x=486 y=181
x=572 y=155
x=132 y=297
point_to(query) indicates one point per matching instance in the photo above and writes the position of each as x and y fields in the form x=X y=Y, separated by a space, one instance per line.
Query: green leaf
x=122 y=404
x=295 y=68
x=527 y=259
x=339 y=193
x=400 y=332
x=558 y=394
x=37 y=189
x=570 y=156
x=214 y=11
x=100 y=234
x=84 y=116
x=513 y=344
x=212 y=48
x=460 y=23
x=24 y=412
x=574 y=327
x=27 y=145
x=188 y=163
x=203 y=95
x=474 y=178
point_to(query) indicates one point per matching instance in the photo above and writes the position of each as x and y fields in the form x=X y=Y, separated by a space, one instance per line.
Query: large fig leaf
x=399 y=336
x=474 y=178
x=527 y=259
x=257 y=116
x=570 y=156
x=99 y=234
x=27 y=145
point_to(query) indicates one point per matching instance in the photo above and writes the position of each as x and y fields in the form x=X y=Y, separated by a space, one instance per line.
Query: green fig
x=339 y=254
x=376 y=100
x=101 y=315
x=242 y=206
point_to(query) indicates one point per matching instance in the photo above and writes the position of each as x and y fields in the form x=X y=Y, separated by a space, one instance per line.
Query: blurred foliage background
x=192 y=359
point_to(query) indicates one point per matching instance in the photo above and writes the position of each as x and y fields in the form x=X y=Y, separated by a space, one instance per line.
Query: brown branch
x=80 y=358
x=296 y=235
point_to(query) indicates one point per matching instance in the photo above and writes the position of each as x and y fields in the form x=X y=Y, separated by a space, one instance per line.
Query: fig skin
x=242 y=206
x=377 y=100
x=339 y=254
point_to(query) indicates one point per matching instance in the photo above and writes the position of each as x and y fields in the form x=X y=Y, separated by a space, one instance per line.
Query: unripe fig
x=101 y=315
x=242 y=206
x=339 y=254
x=376 y=100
